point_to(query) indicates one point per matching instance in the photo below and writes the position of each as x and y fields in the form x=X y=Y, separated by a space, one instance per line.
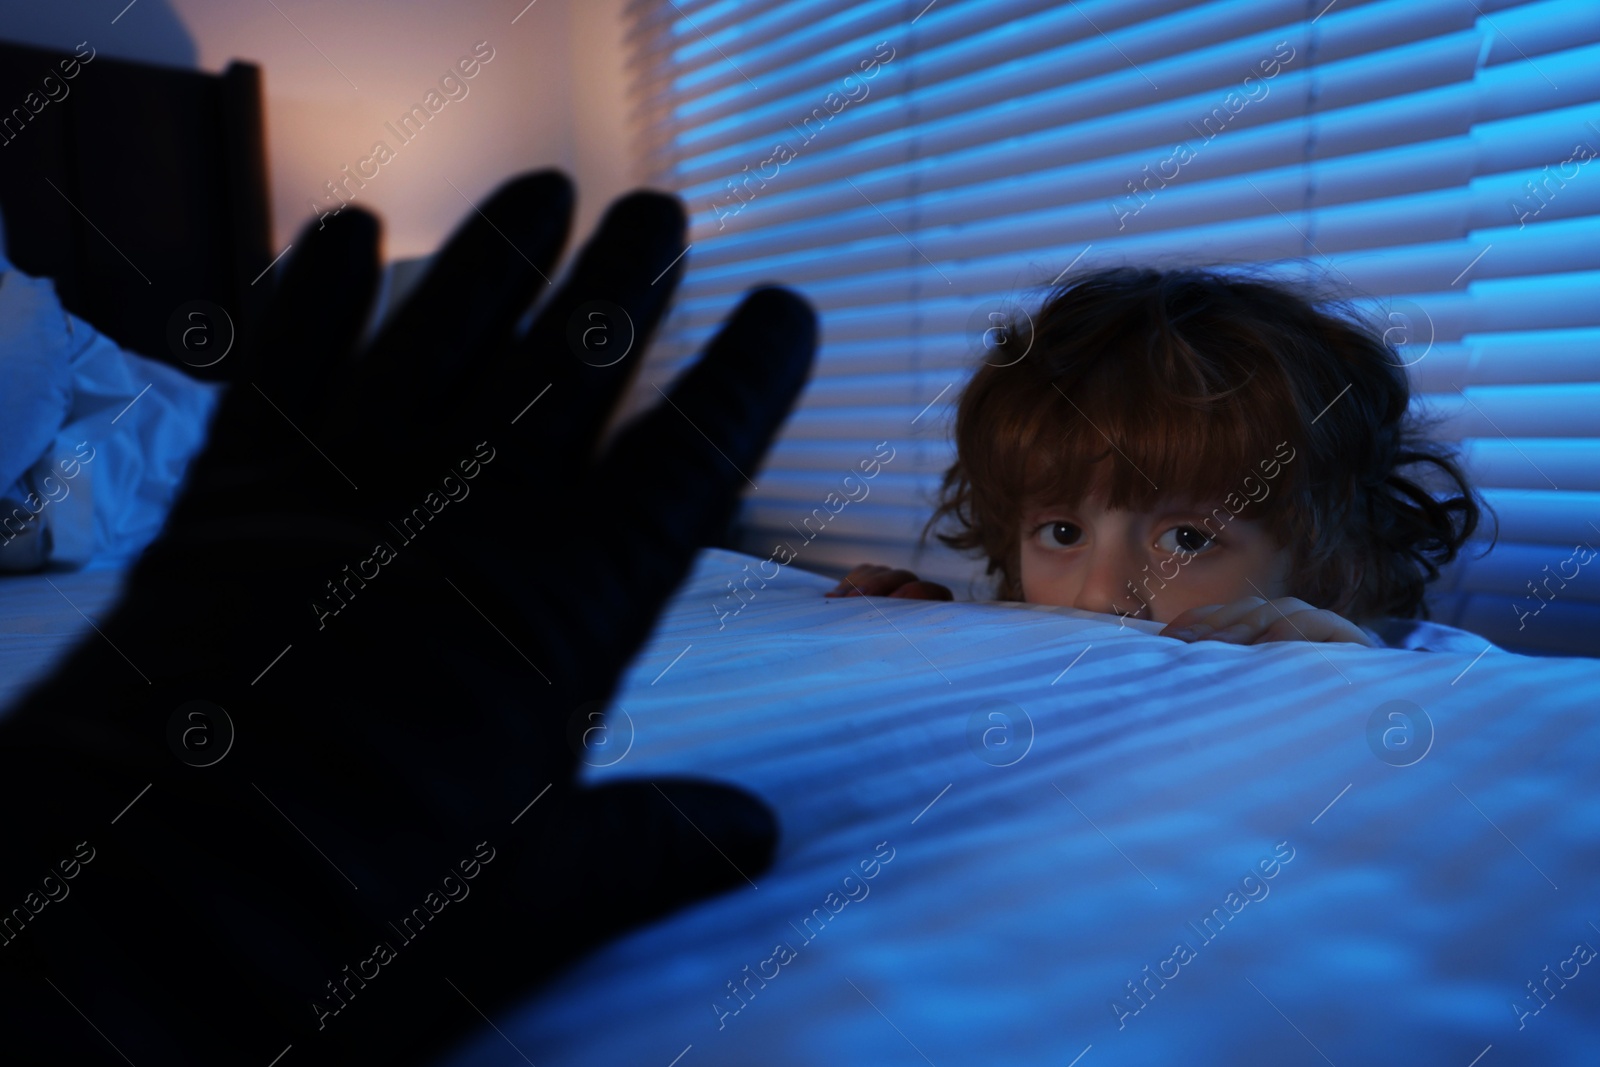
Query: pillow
x=94 y=440
x=36 y=341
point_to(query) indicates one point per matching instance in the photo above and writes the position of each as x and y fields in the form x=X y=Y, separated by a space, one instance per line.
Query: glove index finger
x=585 y=344
x=453 y=329
x=668 y=484
x=288 y=369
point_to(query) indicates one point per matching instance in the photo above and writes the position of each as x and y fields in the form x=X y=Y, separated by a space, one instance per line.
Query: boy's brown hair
x=1139 y=382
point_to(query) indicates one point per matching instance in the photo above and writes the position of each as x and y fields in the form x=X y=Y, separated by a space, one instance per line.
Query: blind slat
x=1426 y=159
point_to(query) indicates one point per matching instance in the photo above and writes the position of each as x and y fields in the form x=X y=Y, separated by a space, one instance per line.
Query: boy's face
x=1183 y=554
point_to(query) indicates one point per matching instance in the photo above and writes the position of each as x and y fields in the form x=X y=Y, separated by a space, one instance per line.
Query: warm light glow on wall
x=339 y=80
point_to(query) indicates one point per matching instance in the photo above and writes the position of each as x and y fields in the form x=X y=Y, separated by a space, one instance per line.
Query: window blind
x=911 y=166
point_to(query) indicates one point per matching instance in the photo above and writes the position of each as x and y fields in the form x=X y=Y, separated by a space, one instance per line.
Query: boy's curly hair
x=1193 y=379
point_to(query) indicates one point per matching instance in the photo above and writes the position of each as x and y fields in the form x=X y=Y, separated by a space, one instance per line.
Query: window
x=912 y=166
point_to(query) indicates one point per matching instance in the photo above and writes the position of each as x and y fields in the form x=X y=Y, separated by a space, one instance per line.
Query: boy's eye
x=1184 y=539
x=1059 y=535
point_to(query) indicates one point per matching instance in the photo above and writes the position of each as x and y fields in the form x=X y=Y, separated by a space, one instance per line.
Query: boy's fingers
x=1239 y=633
x=1229 y=614
x=1192 y=624
x=1294 y=614
x=1284 y=619
x=1300 y=627
x=1278 y=631
x=1211 y=621
x=923 y=591
x=1315 y=624
x=1191 y=616
x=1245 y=625
x=1257 y=621
x=853 y=584
x=883 y=582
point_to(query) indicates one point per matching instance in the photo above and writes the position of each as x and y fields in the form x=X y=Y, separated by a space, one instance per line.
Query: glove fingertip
x=783 y=307
x=650 y=209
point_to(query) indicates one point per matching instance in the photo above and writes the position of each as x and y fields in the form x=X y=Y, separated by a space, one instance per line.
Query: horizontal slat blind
x=1430 y=154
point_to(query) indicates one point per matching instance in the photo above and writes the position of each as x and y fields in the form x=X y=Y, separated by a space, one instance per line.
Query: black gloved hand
x=408 y=581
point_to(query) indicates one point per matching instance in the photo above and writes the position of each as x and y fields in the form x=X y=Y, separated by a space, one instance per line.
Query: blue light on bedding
x=1090 y=845
x=94 y=440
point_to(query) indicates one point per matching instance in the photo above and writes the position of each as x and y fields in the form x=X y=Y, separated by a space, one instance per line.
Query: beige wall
x=553 y=94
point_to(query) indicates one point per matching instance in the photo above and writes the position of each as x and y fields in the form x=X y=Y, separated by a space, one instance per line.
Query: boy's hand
x=874 y=579
x=1254 y=621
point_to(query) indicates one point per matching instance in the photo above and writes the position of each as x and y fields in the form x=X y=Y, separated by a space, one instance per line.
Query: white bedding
x=42 y=616
x=94 y=439
x=1020 y=899
x=1417 y=902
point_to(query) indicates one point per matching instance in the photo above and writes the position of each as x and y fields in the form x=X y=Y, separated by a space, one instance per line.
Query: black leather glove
x=407 y=578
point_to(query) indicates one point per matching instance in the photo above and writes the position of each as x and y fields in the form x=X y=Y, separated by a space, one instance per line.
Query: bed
x=1001 y=822
x=1023 y=834
x=1065 y=802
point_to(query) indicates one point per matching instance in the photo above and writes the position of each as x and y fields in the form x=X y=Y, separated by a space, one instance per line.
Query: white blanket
x=94 y=440
x=1011 y=909
x=42 y=616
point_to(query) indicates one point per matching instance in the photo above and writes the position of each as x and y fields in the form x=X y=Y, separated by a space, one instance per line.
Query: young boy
x=1207 y=450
